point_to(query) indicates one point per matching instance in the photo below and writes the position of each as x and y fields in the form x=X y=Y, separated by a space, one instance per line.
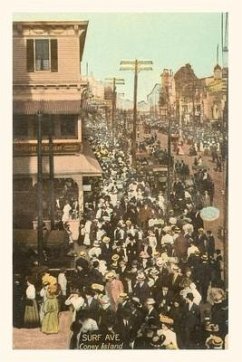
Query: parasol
x=209 y=213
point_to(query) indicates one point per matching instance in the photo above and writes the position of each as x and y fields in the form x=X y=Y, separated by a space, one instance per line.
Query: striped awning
x=47 y=106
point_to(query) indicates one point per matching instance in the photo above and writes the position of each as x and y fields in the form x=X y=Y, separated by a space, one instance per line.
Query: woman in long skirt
x=50 y=322
x=31 y=314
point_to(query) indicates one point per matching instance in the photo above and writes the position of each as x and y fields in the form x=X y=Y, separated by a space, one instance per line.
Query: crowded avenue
x=146 y=268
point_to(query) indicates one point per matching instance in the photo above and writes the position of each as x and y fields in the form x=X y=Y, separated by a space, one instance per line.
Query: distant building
x=213 y=96
x=188 y=95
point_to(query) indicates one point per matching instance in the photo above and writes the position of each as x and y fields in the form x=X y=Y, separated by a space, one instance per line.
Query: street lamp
x=136 y=66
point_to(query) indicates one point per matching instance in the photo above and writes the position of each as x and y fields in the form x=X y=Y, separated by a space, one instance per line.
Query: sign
x=100 y=341
x=216 y=86
x=27 y=149
x=87 y=187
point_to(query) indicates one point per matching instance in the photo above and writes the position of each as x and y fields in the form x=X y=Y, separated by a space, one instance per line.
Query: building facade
x=47 y=83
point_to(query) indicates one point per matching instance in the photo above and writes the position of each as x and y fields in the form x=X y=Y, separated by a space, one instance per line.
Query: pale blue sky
x=170 y=40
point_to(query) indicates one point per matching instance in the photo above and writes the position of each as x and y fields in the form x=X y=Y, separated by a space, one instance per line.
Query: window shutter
x=54 y=55
x=30 y=55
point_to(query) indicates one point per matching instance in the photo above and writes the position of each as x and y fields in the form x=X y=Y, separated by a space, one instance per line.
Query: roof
x=47 y=106
x=64 y=165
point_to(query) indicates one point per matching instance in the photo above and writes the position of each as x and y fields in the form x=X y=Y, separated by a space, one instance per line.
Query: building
x=188 y=96
x=47 y=85
x=153 y=100
x=213 y=96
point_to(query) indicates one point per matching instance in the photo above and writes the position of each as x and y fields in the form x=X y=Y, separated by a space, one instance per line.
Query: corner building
x=47 y=81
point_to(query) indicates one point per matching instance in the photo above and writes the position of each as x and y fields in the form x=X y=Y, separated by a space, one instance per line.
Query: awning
x=47 y=106
x=64 y=165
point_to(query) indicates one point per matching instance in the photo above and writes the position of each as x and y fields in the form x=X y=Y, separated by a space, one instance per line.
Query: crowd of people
x=148 y=274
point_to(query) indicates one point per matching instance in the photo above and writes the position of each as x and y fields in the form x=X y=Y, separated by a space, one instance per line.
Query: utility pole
x=169 y=160
x=224 y=36
x=40 y=191
x=115 y=81
x=136 y=66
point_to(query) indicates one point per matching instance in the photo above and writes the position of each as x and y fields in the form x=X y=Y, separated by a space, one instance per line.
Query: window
x=42 y=61
x=42 y=55
x=20 y=126
x=68 y=126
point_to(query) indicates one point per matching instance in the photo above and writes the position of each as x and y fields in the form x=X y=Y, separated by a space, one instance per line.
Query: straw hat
x=115 y=257
x=106 y=239
x=150 y=301
x=82 y=253
x=216 y=341
x=166 y=320
x=97 y=287
x=110 y=275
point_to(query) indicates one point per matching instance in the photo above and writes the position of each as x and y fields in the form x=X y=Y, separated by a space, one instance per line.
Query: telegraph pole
x=40 y=191
x=136 y=66
x=224 y=36
x=115 y=81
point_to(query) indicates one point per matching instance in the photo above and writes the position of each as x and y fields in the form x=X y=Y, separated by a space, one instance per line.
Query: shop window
x=68 y=126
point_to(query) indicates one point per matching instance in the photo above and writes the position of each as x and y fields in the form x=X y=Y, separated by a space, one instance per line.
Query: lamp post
x=136 y=66
x=51 y=174
x=40 y=191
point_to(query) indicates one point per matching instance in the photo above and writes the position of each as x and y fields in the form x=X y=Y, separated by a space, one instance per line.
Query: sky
x=170 y=40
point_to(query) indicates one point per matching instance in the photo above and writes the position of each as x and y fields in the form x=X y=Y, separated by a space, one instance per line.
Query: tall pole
x=136 y=66
x=135 y=114
x=113 y=107
x=51 y=174
x=115 y=81
x=169 y=161
x=224 y=31
x=40 y=191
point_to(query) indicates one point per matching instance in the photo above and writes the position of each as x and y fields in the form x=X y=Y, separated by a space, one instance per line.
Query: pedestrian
x=31 y=313
x=113 y=289
x=50 y=322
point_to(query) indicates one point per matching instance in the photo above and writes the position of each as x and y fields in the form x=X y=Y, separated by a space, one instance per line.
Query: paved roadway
x=218 y=178
x=34 y=339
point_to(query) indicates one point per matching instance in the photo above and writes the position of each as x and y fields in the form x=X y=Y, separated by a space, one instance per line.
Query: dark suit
x=106 y=253
x=152 y=317
x=142 y=291
x=174 y=283
x=190 y=322
x=95 y=276
x=92 y=309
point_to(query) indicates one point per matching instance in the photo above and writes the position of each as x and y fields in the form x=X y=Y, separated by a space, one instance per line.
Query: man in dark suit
x=190 y=322
x=92 y=305
x=210 y=244
x=95 y=276
x=174 y=280
x=106 y=250
x=152 y=315
x=164 y=298
x=141 y=289
x=201 y=240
